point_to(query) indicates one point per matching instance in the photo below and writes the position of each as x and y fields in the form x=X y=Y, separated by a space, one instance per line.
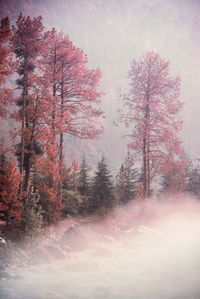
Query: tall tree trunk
x=54 y=94
x=24 y=97
x=61 y=136
x=144 y=168
x=146 y=150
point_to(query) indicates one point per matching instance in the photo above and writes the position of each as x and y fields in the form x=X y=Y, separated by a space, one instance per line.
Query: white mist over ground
x=146 y=250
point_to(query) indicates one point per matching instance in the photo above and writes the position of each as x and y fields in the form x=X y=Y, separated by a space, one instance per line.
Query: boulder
x=74 y=239
x=39 y=256
x=55 y=252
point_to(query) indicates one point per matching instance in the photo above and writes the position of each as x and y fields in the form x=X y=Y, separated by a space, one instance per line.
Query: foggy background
x=114 y=32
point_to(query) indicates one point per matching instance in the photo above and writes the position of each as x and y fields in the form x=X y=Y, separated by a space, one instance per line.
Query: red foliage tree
x=175 y=179
x=152 y=112
x=5 y=68
x=10 y=200
x=74 y=95
x=48 y=172
x=26 y=44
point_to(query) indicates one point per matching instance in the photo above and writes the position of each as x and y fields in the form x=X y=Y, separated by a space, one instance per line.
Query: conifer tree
x=26 y=44
x=127 y=180
x=5 y=68
x=103 y=197
x=151 y=110
x=75 y=97
x=83 y=179
x=175 y=178
x=32 y=215
x=194 y=179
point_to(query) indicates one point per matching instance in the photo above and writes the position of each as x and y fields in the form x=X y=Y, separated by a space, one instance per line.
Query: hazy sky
x=112 y=33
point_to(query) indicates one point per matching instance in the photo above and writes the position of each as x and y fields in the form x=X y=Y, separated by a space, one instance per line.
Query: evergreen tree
x=83 y=179
x=175 y=179
x=32 y=215
x=5 y=66
x=152 y=111
x=127 y=180
x=103 y=197
x=194 y=179
x=26 y=44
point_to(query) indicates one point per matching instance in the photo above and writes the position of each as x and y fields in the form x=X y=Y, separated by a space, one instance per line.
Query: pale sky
x=112 y=33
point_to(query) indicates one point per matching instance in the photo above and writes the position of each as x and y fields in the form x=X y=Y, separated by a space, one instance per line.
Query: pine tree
x=73 y=86
x=194 y=179
x=103 y=197
x=175 y=179
x=83 y=179
x=127 y=180
x=151 y=110
x=26 y=44
x=5 y=68
x=32 y=215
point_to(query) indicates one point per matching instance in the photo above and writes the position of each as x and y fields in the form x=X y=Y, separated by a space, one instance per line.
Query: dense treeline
x=53 y=93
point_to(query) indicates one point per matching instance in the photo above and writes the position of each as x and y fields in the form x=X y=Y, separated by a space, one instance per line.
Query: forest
x=48 y=92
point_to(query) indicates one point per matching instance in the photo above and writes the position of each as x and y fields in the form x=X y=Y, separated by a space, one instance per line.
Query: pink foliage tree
x=5 y=65
x=151 y=110
x=73 y=85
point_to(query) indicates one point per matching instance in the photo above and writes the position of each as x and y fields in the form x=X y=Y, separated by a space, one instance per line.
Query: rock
x=17 y=255
x=55 y=252
x=107 y=239
x=2 y=242
x=39 y=255
x=74 y=239
x=66 y=249
x=146 y=230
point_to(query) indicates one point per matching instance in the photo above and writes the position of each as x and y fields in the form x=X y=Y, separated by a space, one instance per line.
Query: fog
x=114 y=32
x=144 y=250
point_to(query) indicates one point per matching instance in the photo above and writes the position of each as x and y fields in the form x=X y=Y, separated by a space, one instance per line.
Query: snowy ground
x=153 y=253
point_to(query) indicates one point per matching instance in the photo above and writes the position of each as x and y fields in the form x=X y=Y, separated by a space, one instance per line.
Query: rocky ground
x=105 y=259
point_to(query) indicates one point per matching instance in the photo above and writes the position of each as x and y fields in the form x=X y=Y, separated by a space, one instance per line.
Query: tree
x=5 y=68
x=10 y=200
x=47 y=182
x=74 y=90
x=127 y=180
x=74 y=174
x=103 y=197
x=32 y=215
x=26 y=44
x=151 y=110
x=175 y=179
x=194 y=179
x=83 y=179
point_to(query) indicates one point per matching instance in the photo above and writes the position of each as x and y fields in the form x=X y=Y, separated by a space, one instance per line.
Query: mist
x=148 y=249
x=114 y=32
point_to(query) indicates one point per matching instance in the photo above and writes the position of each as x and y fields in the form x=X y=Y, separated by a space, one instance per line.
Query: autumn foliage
x=5 y=65
x=10 y=200
x=151 y=111
x=54 y=95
